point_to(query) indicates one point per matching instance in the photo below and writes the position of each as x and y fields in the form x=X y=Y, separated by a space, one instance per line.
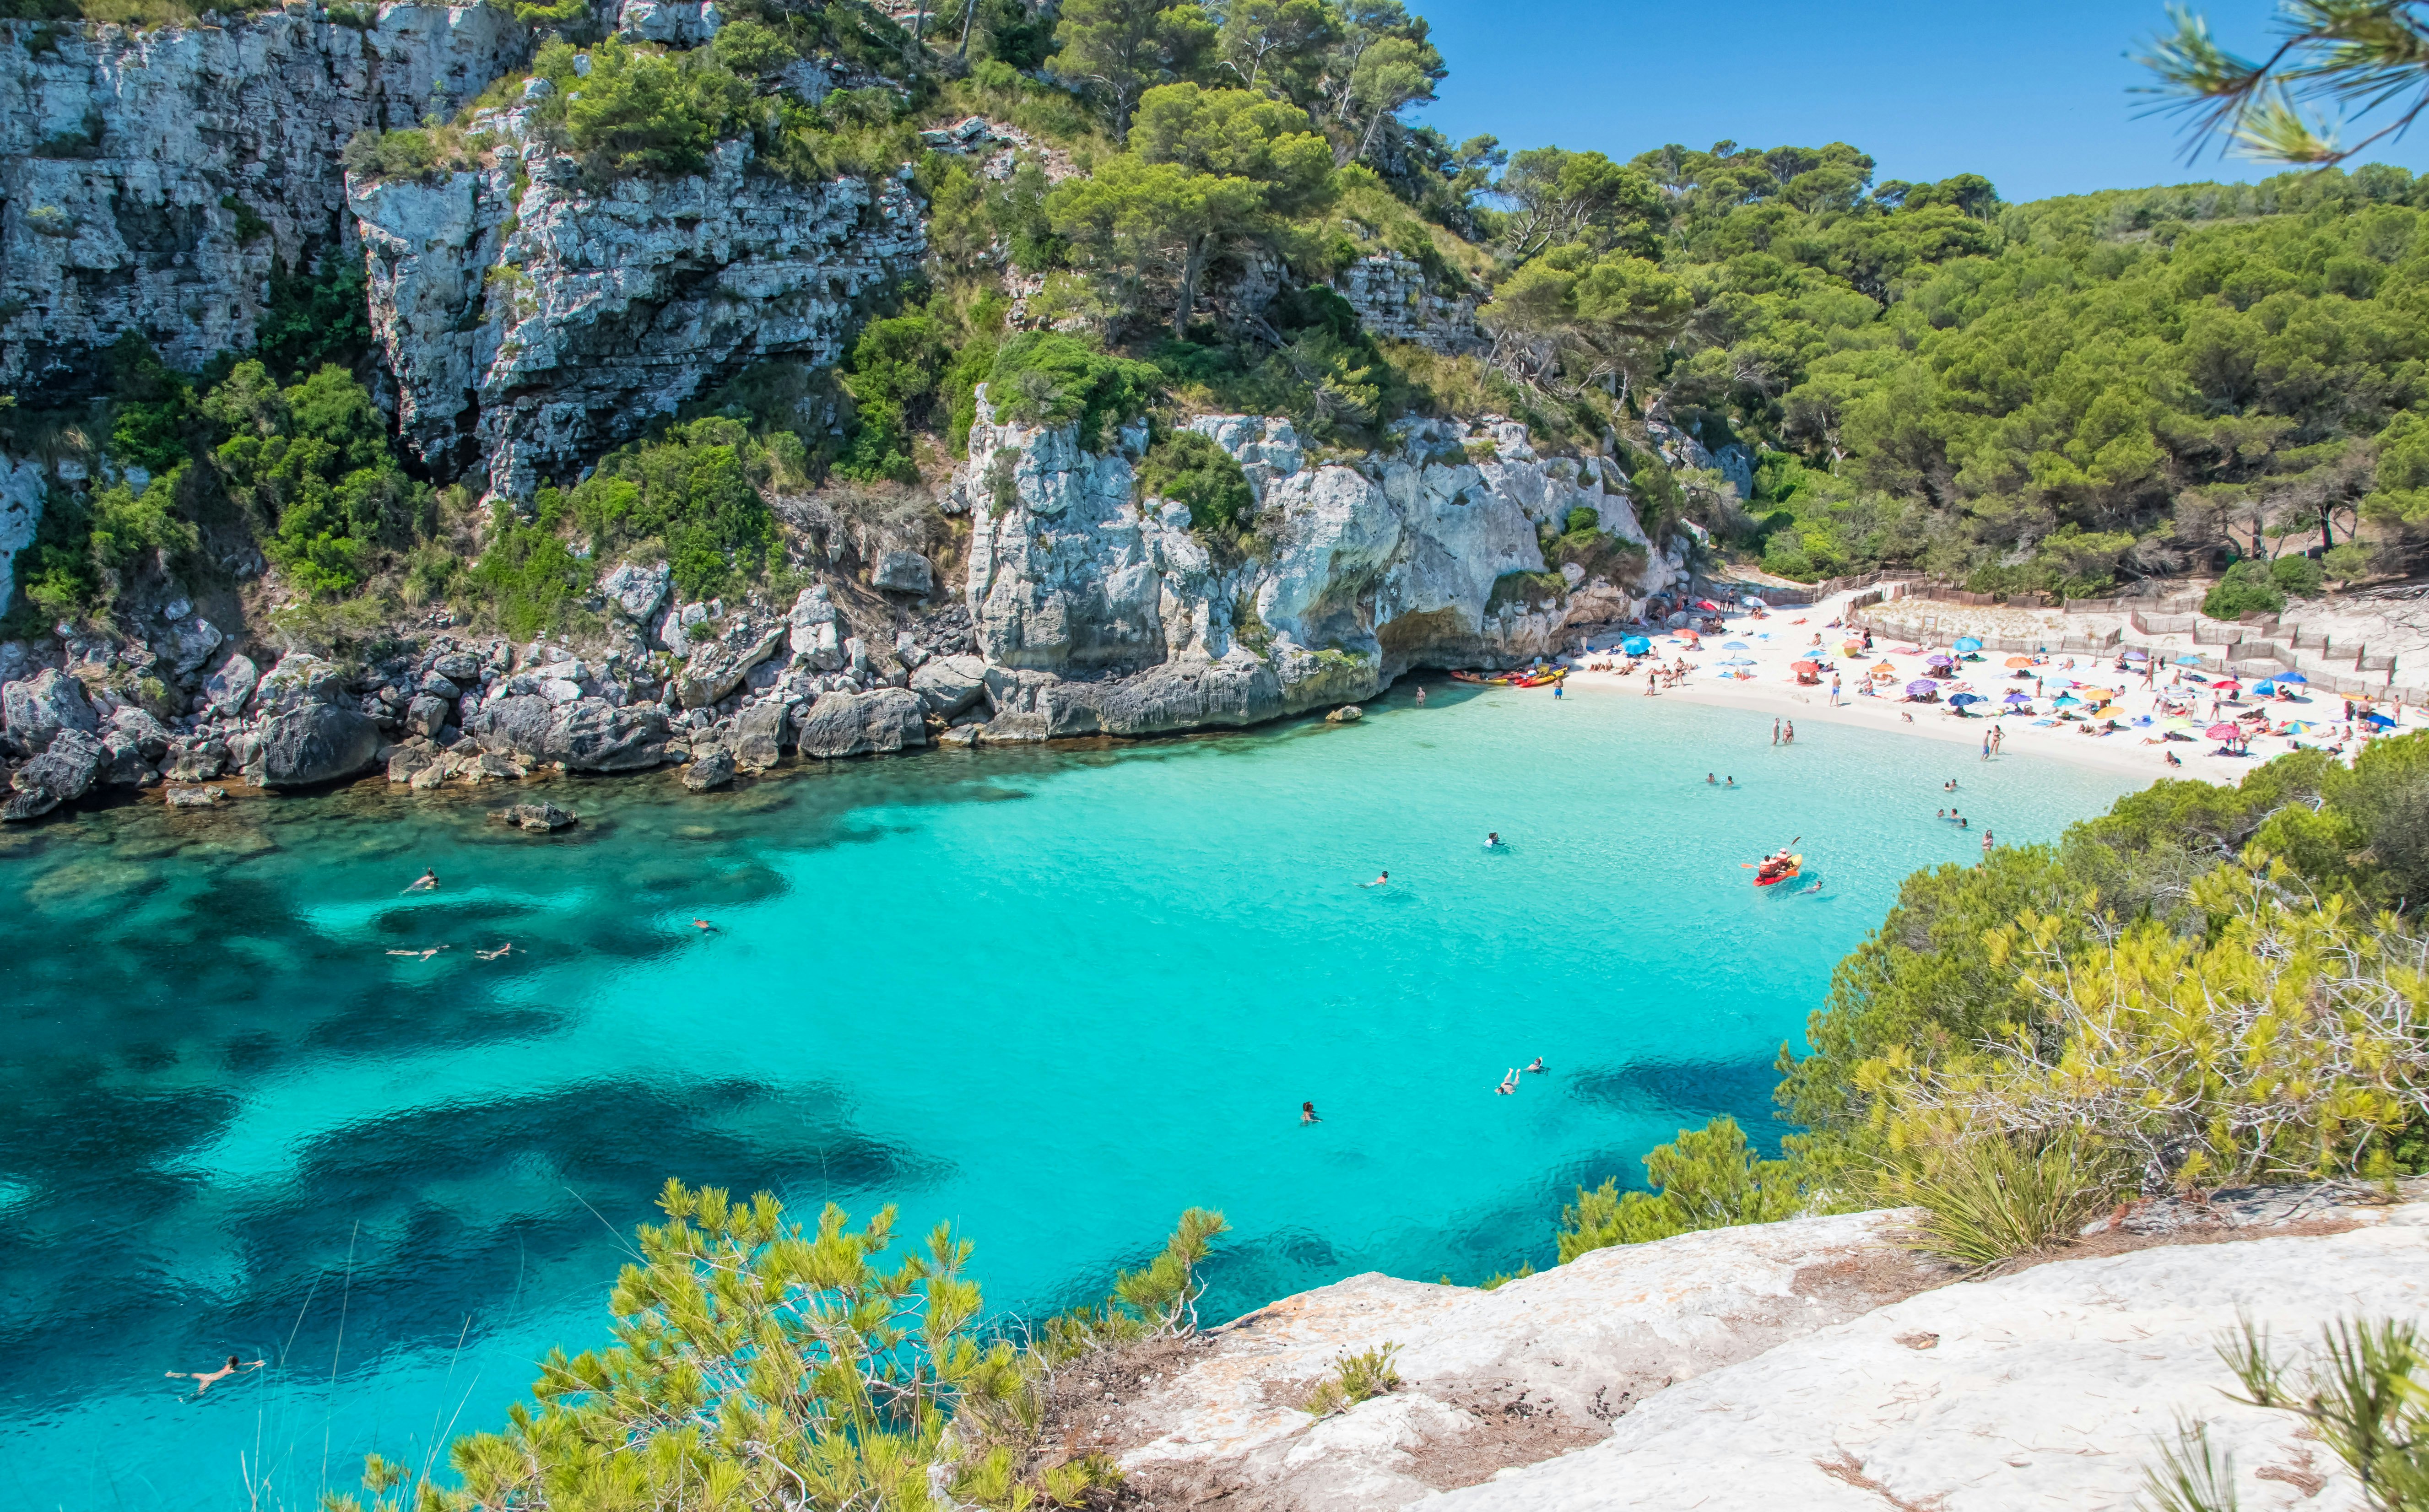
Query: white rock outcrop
x=532 y=330
x=152 y=177
x=1112 y=615
x=1813 y=1363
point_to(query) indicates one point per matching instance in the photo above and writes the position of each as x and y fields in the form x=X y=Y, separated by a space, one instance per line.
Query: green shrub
x=1988 y=1199
x=2298 y=575
x=2247 y=588
x=528 y=577
x=1189 y=468
x=1706 y=1178
x=1046 y=378
x=692 y=489
x=640 y=110
x=1355 y=1378
x=313 y=464
x=891 y=375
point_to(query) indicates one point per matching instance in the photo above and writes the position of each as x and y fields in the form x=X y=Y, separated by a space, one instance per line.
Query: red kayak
x=1770 y=872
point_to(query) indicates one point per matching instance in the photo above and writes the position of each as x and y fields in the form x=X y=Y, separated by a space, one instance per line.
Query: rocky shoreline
x=1087 y=611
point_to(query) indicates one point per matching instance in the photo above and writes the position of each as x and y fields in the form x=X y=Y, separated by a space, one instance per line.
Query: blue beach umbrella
x=1636 y=646
x=2264 y=687
x=1738 y=661
x=1967 y=643
x=2374 y=717
x=2019 y=696
x=2188 y=660
x=2068 y=700
x=1735 y=645
x=2293 y=676
x=1960 y=699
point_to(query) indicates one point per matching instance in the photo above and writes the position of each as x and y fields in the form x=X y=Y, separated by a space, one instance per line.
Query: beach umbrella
x=2300 y=726
x=1735 y=645
x=1707 y=603
x=1920 y=687
x=1968 y=643
x=1752 y=603
x=2227 y=684
x=2180 y=722
x=2223 y=730
x=2135 y=653
x=2019 y=696
x=2020 y=660
x=1738 y=661
x=1636 y=646
x=2188 y=660
x=2372 y=716
x=2264 y=687
x=2067 y=700
x=1960 y=699
x=2291 y=677
x=1941 y=660
x=1805 y=666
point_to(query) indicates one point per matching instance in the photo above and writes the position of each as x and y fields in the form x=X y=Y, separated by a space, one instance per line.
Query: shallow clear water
x=1052 y=996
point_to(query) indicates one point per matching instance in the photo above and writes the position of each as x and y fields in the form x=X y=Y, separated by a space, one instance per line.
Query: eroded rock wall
x=149 y=179
x=1104 y=612
x=535 y=318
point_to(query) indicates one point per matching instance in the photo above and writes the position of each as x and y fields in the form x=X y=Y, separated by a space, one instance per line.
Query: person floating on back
x=205 y=1380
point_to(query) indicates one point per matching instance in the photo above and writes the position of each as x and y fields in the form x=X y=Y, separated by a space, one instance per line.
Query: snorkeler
x=205 y=1380
x=1381 y=878
x=423 y=954
x=423 y=883
x=704 y=926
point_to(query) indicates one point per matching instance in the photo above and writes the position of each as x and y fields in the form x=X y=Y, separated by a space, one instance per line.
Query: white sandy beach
x=1786 y=635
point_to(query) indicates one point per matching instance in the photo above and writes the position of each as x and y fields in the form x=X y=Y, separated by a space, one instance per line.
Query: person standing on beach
x=1834 y=690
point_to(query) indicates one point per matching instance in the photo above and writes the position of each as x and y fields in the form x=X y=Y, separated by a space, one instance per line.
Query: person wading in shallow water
x=204 y=1380
x=1307 y=1113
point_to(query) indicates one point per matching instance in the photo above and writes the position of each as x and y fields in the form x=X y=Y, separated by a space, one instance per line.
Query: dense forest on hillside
x=2060 y=397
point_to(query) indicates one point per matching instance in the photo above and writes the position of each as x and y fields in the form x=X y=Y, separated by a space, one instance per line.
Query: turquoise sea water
x=1054 y=996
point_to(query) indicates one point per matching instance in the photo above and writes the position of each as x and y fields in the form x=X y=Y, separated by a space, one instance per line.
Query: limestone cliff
x=1100 y=610
x=150 y=179
x=533 y=318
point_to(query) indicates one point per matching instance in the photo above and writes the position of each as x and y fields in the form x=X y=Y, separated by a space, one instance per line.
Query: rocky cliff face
x=534 y=318
x=148 y=179
x=1101 y=612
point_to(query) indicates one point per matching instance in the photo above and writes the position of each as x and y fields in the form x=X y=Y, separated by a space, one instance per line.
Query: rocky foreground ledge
x=1809 y=1364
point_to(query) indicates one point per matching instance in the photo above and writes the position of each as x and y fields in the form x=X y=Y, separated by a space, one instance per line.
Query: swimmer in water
x=1492 y=840
x=492 y=955
x=1730 y=782
x=423 y=883
x=1709 y=780
x=205 y=1380
x=423 y=954
x=1307 y=1113
x=703 y=925
x=1421 y=698
x=1381 y=878
x=1509 y=1083
x=1538 y=1066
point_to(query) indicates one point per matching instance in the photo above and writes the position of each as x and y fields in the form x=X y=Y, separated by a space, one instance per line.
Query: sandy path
x=1786 y=636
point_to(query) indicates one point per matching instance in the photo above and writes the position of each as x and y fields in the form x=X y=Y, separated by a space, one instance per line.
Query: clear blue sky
x=2033 y=95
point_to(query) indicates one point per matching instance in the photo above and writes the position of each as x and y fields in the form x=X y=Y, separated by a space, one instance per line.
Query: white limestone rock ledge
x=1805 y=1364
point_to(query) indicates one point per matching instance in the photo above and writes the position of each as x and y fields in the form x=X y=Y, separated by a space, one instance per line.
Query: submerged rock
x=1348 y=713
x=194 y=797
x=539 y=818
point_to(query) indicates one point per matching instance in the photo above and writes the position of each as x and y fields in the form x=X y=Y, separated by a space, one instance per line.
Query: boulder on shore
x=34 y=712
x=759 y=736
x=317 y=743
x=61 y=774
x=854 y=724
x=711 y=766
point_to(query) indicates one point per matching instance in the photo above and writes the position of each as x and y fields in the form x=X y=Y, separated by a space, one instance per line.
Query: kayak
x=1539 y=680
x=1763 y=879
x=1479 y=677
